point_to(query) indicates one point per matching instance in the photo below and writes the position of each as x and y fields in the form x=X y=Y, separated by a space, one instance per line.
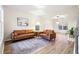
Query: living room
x=56 y=20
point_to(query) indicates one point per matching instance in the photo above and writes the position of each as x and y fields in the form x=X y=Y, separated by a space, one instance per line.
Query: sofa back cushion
x=48 y=32
x=29 y=31
x=18 y=32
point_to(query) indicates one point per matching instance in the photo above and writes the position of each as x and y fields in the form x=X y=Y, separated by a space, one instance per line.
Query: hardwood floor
x=62 y=45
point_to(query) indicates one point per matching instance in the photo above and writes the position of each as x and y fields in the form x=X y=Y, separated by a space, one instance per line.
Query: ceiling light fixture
x=57 y=22
x=59 y=17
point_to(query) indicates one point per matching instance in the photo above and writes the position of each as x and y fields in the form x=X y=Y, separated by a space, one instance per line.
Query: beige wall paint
x=10 y=20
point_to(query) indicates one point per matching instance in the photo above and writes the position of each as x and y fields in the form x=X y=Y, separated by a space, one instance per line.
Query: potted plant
x=71 y=32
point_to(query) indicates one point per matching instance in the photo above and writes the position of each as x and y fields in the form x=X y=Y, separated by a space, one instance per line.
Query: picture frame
x=21 y=21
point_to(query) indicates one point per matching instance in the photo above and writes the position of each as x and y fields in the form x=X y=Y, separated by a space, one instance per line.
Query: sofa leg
x=49 y=39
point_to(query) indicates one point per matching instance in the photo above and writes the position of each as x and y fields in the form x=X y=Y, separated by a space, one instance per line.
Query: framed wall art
x=21 y=21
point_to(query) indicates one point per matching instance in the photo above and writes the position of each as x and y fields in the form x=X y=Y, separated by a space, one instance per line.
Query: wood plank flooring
x=62 y=45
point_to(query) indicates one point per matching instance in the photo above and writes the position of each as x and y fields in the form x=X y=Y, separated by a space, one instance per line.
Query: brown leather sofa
x=48 y=34
x=22 y=34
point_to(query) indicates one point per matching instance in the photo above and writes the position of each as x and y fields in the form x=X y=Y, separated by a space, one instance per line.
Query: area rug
x=28 y=46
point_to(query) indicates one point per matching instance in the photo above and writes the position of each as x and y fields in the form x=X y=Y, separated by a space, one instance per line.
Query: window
x=61 y=27
x=64 y=27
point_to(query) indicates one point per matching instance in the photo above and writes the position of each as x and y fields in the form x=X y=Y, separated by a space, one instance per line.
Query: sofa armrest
x=13 y=34
x=52 y=36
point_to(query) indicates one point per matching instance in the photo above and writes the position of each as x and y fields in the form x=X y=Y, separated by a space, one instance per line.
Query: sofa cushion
x=24 y=36
x=42 y=34
x=20 y=31
x=29 y=31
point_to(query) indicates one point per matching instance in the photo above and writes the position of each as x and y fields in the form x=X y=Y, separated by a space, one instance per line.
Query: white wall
x=10 y=20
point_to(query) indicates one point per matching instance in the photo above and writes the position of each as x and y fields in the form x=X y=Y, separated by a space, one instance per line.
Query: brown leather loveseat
x=48 y=34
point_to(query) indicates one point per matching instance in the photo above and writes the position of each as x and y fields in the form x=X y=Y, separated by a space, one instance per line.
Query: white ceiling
x=50 y=10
